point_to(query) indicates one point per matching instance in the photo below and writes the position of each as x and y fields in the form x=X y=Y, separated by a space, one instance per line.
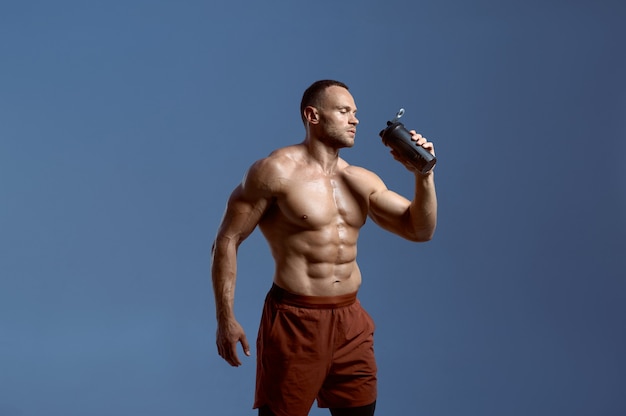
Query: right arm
x=244 y=210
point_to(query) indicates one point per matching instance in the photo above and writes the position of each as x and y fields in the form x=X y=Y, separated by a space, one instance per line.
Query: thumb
x=245 y=345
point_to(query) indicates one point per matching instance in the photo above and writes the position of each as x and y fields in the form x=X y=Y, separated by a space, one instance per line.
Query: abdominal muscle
x=312 y=229
x=315 y=263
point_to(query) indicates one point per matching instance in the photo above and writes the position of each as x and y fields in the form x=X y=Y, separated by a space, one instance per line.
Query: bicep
x=247 y=203
x=242 y=215
x=388 y=209
x=385 y=207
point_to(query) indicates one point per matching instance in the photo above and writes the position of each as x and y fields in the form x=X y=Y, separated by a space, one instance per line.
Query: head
x=314 y=94
x=329 y=113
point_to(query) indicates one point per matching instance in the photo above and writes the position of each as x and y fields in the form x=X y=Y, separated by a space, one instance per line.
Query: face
x=337 y=120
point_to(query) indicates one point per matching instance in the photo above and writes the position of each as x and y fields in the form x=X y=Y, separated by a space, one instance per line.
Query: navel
x=304 y=217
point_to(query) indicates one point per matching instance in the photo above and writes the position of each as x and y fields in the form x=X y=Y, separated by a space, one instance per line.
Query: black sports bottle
x=399 y=139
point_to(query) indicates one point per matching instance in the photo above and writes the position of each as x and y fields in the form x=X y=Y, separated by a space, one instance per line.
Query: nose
x=354 y=120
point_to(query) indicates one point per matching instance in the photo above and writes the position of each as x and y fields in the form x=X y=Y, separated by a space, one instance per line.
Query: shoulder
x=266 y=175
x=363 y=180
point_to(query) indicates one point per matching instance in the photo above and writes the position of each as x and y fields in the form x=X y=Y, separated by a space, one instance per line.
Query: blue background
x=124 y=125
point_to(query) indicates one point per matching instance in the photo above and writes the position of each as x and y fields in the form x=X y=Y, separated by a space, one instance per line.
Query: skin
x=310 y=205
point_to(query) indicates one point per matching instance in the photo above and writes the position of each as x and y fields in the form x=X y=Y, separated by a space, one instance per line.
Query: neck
x=326 y=156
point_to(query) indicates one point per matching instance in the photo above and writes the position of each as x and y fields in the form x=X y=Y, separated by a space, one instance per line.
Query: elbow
x=422 y=226
x=424 y=239
x=223 y=243
x=216 y=246
x=421 y=236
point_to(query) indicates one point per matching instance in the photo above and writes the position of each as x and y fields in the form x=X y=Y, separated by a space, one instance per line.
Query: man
x=315 y=340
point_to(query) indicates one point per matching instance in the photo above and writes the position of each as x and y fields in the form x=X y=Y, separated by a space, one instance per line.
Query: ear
x=311 y=115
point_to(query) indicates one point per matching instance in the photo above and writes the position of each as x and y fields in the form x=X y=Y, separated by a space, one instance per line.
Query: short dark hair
x=313 y=94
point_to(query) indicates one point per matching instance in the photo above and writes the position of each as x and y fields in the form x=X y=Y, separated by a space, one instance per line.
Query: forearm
x=224 y=276
x=224 y=272
x=423 y=208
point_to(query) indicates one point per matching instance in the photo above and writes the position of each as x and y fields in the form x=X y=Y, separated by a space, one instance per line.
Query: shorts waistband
x=311 y=302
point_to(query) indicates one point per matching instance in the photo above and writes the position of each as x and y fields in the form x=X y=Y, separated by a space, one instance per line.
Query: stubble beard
x=339 y=139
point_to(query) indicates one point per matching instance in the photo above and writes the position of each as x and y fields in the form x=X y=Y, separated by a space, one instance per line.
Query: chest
x=317 y=202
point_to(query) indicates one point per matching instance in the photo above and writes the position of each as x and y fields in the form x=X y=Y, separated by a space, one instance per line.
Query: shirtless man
x=315 y=340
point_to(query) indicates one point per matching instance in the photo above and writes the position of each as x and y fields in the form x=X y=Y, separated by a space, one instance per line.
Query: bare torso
x=312 y=224
x=310 y=205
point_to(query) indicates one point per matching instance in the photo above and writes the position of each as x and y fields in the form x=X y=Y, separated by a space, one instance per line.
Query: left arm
x=414 y=220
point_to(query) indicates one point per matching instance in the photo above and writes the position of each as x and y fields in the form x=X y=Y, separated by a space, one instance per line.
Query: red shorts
x=312 y=347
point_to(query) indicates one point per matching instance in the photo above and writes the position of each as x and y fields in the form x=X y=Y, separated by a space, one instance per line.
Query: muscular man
x=315 y=340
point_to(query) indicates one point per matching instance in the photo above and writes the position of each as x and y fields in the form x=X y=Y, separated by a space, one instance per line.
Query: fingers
x=233 y=358
x=229 y=353
x=402 y=160
x=422 y=141
x=418 y=137
x=227 y=347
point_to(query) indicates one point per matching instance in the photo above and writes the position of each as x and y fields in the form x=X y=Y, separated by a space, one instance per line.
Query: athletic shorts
x=312 y=347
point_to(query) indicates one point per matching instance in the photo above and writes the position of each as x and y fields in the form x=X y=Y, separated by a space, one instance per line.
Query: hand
x=229 y=334
x=421 y=140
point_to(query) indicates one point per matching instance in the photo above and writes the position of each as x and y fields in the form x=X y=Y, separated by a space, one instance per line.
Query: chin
x=342 y=144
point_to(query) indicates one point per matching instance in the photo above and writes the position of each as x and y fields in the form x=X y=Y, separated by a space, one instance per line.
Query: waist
x=311 y=302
